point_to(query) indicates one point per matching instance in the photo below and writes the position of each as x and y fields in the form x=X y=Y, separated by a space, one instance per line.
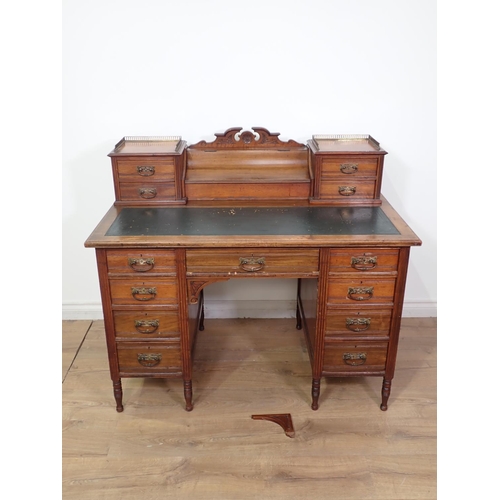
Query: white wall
x=192 y=68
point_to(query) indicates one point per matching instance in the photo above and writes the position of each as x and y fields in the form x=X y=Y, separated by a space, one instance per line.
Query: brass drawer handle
x=149 y=360
x=145 y=170
x=354 y=359
x=347 y=190
x=252 y=264
x=141 y=265
x=146 y=326
x=349 y=168
x=360 y=293
x=143 y=294
x=147 y=193
x=357 y=324
x=363 y=263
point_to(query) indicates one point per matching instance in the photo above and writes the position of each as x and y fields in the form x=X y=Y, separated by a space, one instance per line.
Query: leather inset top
x=172 y=221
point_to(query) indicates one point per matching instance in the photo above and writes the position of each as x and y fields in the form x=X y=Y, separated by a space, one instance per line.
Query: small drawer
x=147 y=324
x=126 y=261
x=347 y=190
x=146 y=292
x=132 y=191
x=145 y=169
x=354 y=357
x=369 y=260
x=355 y=323
x=251 y=261
x=349 y=168
x=358 y=292
x=135 y=358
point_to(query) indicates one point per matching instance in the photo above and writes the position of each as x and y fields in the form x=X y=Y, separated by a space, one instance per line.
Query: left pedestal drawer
x=149 y=358
x=141 y=262
x=147 y=324
x=133 y=292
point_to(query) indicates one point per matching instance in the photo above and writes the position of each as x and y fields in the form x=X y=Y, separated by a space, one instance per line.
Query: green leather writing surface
x=171 y=221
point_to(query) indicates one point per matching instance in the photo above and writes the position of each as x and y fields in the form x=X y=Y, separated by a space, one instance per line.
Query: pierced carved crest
x=234 y=138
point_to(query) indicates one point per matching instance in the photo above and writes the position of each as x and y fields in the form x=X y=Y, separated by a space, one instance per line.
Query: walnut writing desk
x=249 y=205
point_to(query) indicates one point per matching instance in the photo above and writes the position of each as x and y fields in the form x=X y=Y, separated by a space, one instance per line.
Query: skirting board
x=245 y=309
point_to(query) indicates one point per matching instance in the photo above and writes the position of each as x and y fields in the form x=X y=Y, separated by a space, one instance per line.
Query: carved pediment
x=260 y=138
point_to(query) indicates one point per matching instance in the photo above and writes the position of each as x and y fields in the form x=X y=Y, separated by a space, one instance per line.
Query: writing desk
x=251 y=206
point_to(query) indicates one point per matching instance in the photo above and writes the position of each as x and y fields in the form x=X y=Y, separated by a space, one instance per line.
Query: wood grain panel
x=164 y=358
x=145 y=324
x=339 y=291
x=276 y=261
x=341 y=260
x=334 y=167
x=358 y=323
x=363 y=189
x=149 y=168
x=140 y=261
x=335 y=361
x=146 y=191
x=156 y=292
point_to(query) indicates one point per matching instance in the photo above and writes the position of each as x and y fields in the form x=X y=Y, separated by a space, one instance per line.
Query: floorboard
x=348 y=449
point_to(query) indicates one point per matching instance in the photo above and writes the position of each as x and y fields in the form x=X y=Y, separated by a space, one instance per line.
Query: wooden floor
x=348 y=449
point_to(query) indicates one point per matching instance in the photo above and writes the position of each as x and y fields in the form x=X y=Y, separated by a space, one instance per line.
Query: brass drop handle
x=145 y=170
x=147 y=193
x=354 y=358
x=141 y=265
x=143 y=294
x=357 y=324
x=364 y=263
x=347 y=190
x=349 y=168
x=360 y=293
x=252 y=264
x=146 y=325
x=149 y=360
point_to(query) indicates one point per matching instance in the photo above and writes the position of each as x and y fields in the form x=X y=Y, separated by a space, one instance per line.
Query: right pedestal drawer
x=349 y=357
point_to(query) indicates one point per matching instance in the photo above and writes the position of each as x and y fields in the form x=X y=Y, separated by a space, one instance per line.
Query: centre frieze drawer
x=248 y=261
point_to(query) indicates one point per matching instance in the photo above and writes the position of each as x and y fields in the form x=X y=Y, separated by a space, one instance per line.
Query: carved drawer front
x=358 y=323
x=145 y=325
x=252 y=261
x=145 y=169
x=141 y=262
x=350 y=357
x=136 y=358
x=350 y=189
x=369 y=260
x=358 y=292
x=349 y=167
x=147 y=292
x=146 y=191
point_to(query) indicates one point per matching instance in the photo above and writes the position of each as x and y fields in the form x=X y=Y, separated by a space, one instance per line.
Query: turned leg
x=117 y=390
x=297 y=313
x=299 y=319
x=188 y=394
x=315 y=393
x=201 y=324
x=386 y=391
